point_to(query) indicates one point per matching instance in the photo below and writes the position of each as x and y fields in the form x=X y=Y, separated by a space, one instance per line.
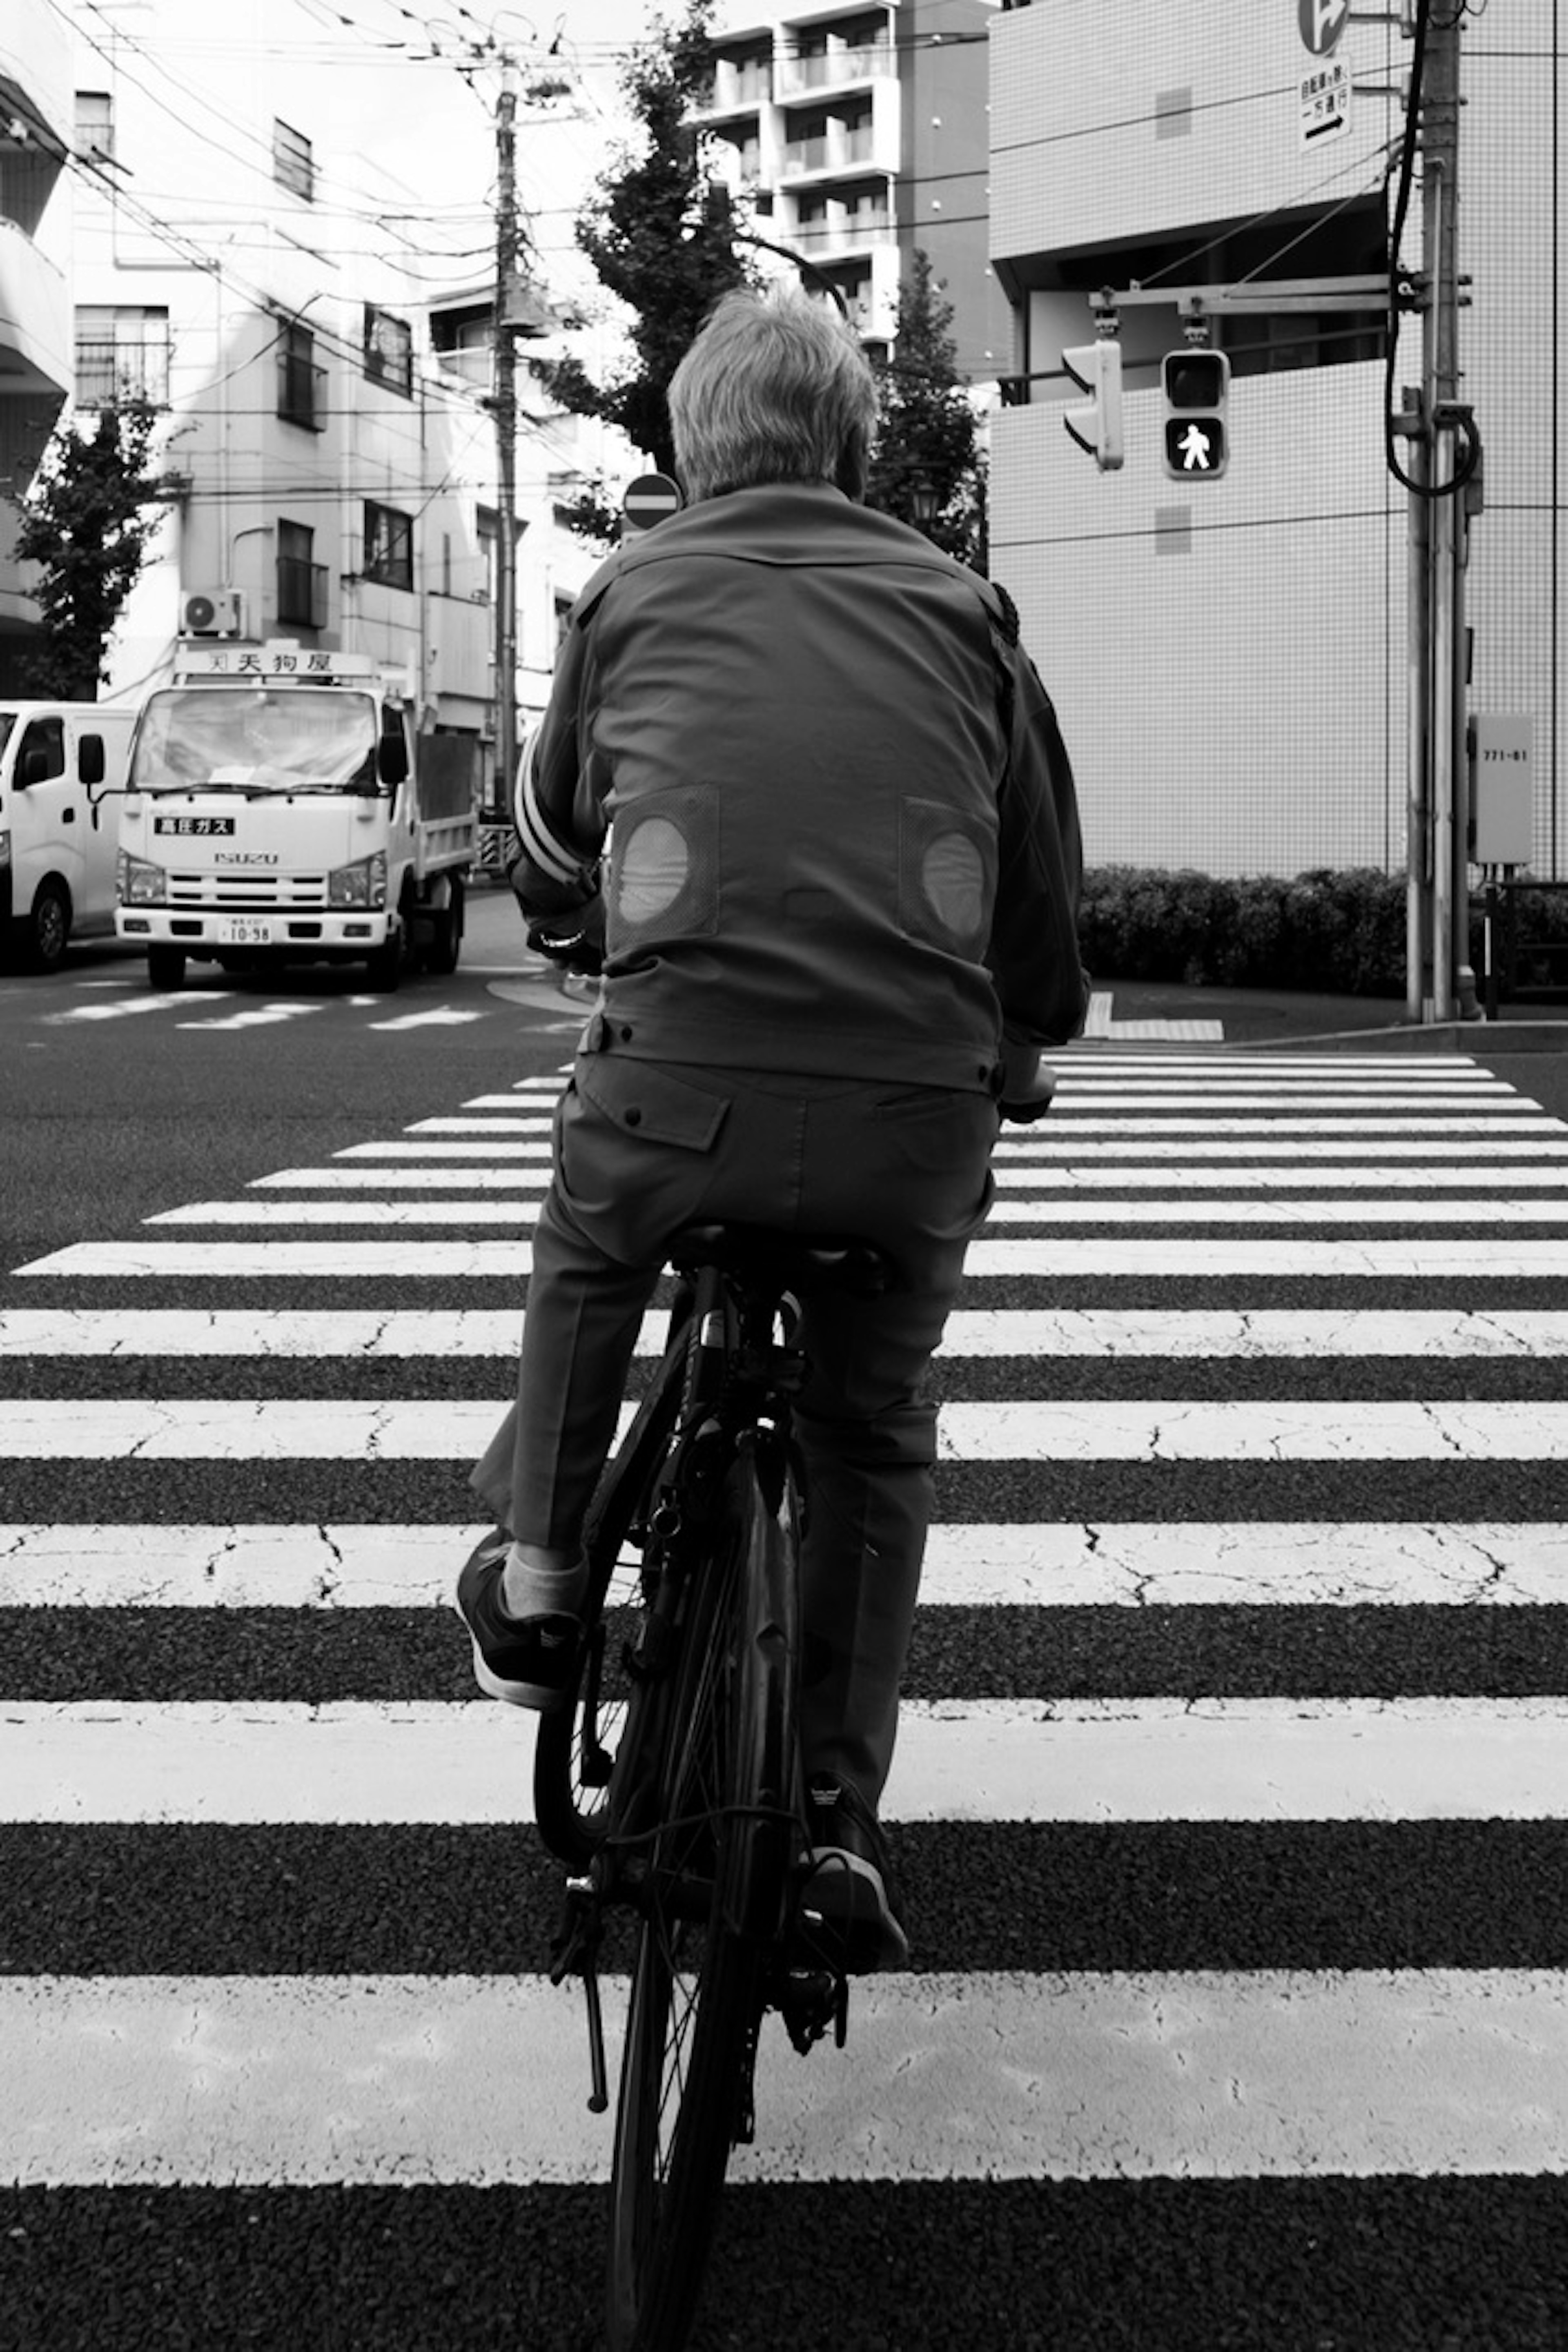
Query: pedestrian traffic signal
x=1096 y=426
x=1195 y=382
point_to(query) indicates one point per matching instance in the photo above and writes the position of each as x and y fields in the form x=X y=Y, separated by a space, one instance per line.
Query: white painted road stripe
x=1049 y=1564
x=488 y=1152
x=1444 y=1260
x=1035 y=1429
x=1527 y=1119
x=159 y=1002
x=1176 y=1333
x=1011 y=1175
x=393 y=2081
x=1150 y=1759
x=1047 y=1148
x=1307 y=1212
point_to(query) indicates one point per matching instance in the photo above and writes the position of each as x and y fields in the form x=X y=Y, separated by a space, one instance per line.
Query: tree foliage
x=929 y=454
x=656 y=242
x=87 y=521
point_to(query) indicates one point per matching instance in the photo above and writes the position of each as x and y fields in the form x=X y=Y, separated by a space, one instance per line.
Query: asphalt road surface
x=1230 y=1798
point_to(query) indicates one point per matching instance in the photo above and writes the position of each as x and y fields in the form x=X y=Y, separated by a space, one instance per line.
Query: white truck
x=279 y=809
x=59 y=764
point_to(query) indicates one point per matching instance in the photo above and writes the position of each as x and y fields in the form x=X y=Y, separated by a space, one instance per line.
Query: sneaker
x=851 y=1900
x=527 y=1661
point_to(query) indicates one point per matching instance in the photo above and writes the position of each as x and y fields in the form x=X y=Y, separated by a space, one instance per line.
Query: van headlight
x=137 y=883
x=363 y=884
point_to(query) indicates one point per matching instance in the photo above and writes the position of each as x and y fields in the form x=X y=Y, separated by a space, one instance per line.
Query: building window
x=121 y=353
x=302 y=581
x=388 y=350
x=293 y=164
x=95 y=125
x=302 y=384
x=388 y=546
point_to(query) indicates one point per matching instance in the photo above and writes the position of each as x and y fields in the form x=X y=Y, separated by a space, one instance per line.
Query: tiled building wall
x=1229 y=659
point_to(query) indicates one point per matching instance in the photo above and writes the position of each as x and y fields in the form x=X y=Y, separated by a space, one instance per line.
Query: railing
x=107 y=372
x=825 y=67
x=301 y=592
x=735 y=86
x=836 y=150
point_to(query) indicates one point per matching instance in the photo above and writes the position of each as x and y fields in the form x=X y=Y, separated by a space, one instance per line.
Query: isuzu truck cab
x=279 y=809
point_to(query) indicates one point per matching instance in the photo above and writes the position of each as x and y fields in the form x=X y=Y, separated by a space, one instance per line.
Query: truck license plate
x=245 y=931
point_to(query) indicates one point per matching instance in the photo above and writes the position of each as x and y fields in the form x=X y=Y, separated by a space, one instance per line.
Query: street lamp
x=925 y=504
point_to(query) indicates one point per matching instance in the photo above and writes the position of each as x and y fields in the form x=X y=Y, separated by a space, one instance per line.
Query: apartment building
x=234 y=252
x=1230 y=656
x=851 y=135
x=35 y=306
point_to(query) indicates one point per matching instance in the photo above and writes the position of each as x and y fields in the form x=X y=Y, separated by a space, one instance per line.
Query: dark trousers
x=645 y=1148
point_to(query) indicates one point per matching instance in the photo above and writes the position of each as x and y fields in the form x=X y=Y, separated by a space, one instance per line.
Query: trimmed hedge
x=1341 y=931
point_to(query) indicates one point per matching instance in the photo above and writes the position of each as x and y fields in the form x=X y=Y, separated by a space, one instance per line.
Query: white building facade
x=851 y=135
x=238 y=248
x=1229 y=657
x=35 y=299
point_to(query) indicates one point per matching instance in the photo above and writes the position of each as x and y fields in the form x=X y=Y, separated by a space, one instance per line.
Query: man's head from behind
x=774 y=389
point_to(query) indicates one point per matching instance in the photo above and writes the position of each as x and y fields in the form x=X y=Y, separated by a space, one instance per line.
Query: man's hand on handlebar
x=1027 y=1085
x=575 y=950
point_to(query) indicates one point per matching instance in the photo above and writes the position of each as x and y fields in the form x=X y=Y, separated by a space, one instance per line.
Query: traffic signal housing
x=1096 y=425
x=1196 y=382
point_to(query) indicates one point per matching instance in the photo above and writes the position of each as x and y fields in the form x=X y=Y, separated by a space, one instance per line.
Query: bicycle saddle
x=760 y=1256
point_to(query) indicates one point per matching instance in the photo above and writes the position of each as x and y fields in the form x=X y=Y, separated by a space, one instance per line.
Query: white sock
x=530 y=1591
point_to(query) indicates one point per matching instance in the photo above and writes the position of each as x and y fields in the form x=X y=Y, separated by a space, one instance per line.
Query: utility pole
x=1442 y=447
x=504 y=403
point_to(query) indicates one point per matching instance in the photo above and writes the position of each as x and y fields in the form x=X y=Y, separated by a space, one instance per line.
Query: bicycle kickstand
x=576 y=1953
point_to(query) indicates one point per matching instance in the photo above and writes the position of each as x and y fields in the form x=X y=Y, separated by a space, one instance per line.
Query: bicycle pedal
x=812 y=2002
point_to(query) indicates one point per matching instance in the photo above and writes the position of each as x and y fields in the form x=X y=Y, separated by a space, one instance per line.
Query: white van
x=62 y=782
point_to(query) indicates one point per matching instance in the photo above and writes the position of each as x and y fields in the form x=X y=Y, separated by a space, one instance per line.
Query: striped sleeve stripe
x=540 y=845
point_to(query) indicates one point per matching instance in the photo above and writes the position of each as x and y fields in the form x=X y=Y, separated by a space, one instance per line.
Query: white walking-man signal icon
x=1194 y=446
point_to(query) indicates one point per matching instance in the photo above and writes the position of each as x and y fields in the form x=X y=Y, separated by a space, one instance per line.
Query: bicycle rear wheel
x=716 y=1898
x=575 y=1748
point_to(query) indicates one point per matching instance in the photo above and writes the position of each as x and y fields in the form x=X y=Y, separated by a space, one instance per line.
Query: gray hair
x=774 y=389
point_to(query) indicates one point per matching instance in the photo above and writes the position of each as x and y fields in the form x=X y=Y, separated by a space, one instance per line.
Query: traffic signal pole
x=1441 y=983
x=504 y=403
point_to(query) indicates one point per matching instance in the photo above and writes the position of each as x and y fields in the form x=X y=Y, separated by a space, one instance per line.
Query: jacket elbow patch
x=664 y=865
x=946 y=883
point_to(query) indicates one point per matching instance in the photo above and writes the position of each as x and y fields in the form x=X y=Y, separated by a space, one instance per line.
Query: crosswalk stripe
x=1046 y=1148
x=1228 y=1759
x=1034 y=1429
x=1177 y=1258
x=1206 y=2075
x=1431 y=1171
x=1015 y=1175
x=1044 y=1209
x=1043 y=1564
x=1179 y=1334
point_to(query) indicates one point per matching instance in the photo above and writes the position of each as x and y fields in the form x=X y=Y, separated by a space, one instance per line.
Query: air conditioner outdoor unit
x=212 y=613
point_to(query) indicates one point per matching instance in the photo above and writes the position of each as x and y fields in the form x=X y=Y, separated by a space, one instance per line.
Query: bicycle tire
x=716 y=1907
x=576 y=1747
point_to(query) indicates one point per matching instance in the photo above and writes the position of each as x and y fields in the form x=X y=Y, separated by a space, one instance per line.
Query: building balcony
x=841 y=150
x=36 y=332
x=845 y=235
x=36 y=65
x=835 y=69
x=736 y=89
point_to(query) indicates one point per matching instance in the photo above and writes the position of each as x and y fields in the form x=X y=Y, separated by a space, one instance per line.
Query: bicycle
x=671 y=1784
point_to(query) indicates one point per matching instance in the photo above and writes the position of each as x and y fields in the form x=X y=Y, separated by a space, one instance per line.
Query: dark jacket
x=844 y=838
